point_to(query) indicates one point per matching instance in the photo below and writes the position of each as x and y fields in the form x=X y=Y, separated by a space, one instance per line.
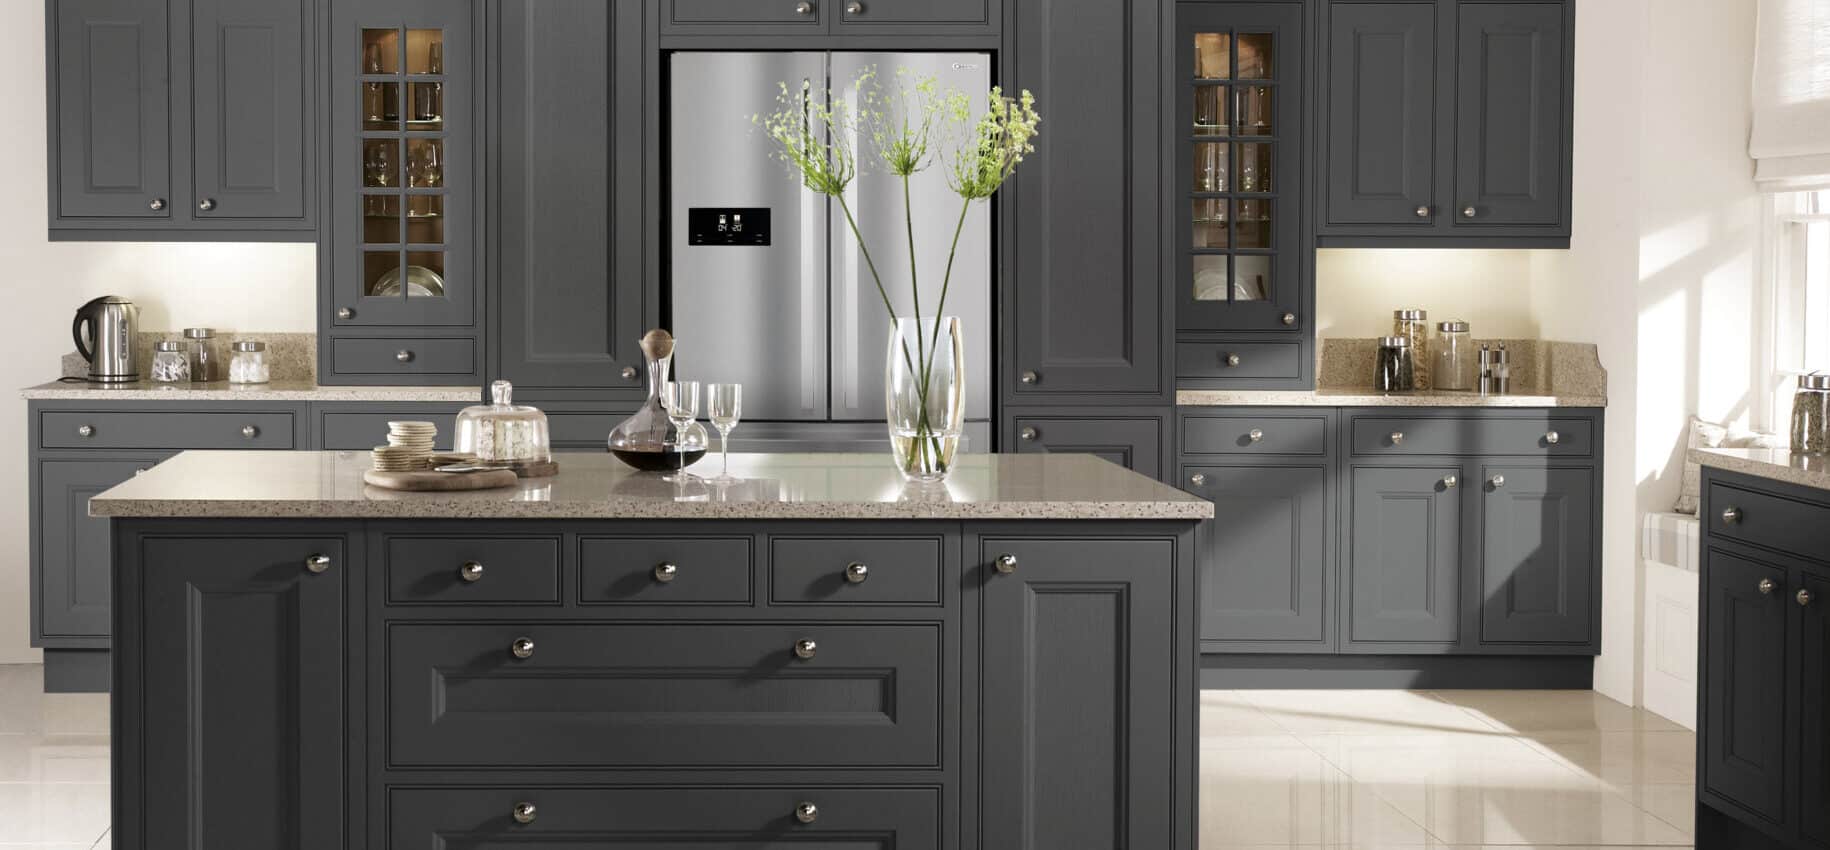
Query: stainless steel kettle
x=110 y=322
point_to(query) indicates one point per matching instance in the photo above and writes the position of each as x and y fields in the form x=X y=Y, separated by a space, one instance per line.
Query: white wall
x=1357 y=290
x=234 y=287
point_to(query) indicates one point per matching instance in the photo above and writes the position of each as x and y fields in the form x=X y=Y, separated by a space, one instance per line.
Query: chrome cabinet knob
x=522 y=648
x=524 y=813
x=1397 y=438
x=1497 y=481
x=85 y=430
x=1423 y=212
x=854 y=8
x=1553 y=438
x=1256 y=435
x=404 y=356
x=1469 y=212
x=1030 y=435
x=856 y=573
x=629 y=373
x=1290 y=319
x=1006 y=563
x=156 y=204
x=1451 y=482
x=207 y=204
x=806 y=813
x=1030 y=378
x=345 y=313
x=1198 y=479
x=250 y=432
x=803 y=8
x=806 y=648
x=471 y=571
x=1731 y=515
x=1233 y=361
x=1805 y=597
x=665 y=573
x=1766 y=587
x=317 y=564
x=139 y=472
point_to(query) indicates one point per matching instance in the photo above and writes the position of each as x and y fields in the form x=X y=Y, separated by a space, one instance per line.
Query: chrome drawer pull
x=403 y=356
x=1256 y=436
x=1007 y=563
x=1497 y=481
x=629 y=373
x=85 y=431
x=1031 y=378
x=471 y=571
x=1198 y=479
x=317 y=564
x=1805 y=598
x=1233 y=361
x=1423 y=212
x=524 y=813
x=1731 y=515
x=856 y=573
x=806 y=648
x=1397 y=438
x=1451 y=482
x=665 y=573
x=1766 y=587
x=806 y=813
x=522 y=648
x=250 y=432
x=803 y=8
x=1030 y=435
x=1553 y=438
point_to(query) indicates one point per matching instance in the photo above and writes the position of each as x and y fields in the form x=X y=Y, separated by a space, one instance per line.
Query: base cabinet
x=1132 y=438
x=1537 y=554
x=1403 y=560
x=1264 y=569
x=73 y=557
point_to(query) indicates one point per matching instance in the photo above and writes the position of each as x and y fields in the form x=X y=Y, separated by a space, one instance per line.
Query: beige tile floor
x=1279 y=769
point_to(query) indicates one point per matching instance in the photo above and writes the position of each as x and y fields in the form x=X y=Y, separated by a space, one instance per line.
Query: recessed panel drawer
x=1527 y=437
x=162 y=430
x=745 y=818
x=404 y=357
x=1239 y=360
x=855 y=571
x=1256 y=435
x=1775 y=522
x=473 y=571
x=665 y=571
x=716 y=12
x=661 y=695
x=576 y=430
x=354 y=431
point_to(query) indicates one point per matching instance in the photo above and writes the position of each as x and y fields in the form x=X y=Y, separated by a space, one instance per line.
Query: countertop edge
x=1351 y=398
x=79 y=393
x=1725 y=460
x=458 y=510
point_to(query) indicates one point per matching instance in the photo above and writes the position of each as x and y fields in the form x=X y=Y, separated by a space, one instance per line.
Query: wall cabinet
x=1447 y=123
x=183 y=119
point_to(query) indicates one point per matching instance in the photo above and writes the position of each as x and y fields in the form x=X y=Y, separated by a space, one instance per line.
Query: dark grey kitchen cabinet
x=1745 y=668
x=821 y=19
x=1264 y=567
x=72 y=547
x=926 y=16
x=1538 y=554
x=568 y=145
x=359 y=426
x=1447 y=123
x=183 y=119
x=1402 y=566
x=1812 y=595
x=1134 y=438
x=238 y=654
x=1085 y=317
x=1066 y=655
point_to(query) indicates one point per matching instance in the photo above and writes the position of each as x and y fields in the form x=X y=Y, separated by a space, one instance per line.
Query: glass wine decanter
x=647 y=440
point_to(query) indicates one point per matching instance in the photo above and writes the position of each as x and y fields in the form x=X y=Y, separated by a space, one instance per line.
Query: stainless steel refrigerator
x=767 y=285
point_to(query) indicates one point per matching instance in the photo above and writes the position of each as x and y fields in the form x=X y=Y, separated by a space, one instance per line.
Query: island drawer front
x=731 y=818
x=1449 y=435
x=632 y=571
x=820 y=571
x=1255 y=360
x=1256 y=435
x=166 y=430
x=1775 y=522
x=438 y=570
x=360 y=431
x=658 y=695
x=406 y=357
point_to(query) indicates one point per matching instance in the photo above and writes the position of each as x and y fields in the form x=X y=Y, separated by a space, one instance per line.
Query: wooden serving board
x=441 y=482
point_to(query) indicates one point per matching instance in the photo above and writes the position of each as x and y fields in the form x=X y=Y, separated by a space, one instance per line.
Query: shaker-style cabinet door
x=1745 y=664
x=1264 y=555
x=1131 y=439
x=110 y=100
x=1085 y=319
x=1403 y=559
x=1812 y=595
x=234 y=649
x=73 y=556
x=1538 y=545
x=1078 y=709
x=1512 y=114
x=252 y=116
x=1380 y=140
x=568 y=222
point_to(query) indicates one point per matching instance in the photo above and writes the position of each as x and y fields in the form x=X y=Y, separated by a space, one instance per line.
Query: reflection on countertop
x=1772 y=464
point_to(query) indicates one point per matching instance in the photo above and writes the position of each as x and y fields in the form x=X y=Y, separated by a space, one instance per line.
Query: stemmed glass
x=724 y=404
x=681 y=398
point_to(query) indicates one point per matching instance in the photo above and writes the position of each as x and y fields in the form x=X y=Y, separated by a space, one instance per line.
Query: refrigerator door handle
x=847 y=288
x=813 y=228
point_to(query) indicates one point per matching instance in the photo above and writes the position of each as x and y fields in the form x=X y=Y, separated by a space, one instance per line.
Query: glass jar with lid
x=206 y=355
x=249 y=363
x=1457 y=359
x=1414 y=325
x=503 y=433
x=1397 y=367
x=1811 y=415
x=171 y=362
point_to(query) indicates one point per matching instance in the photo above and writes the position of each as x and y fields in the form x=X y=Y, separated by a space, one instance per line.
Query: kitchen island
x=816 y=654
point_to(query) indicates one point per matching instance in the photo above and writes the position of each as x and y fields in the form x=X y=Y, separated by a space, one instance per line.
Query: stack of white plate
x=409 y=447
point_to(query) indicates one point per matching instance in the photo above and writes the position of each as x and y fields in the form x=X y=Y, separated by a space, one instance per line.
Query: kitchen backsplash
x=290 y=356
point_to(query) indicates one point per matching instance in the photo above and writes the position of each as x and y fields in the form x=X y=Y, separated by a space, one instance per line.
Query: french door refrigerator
x=767 y=285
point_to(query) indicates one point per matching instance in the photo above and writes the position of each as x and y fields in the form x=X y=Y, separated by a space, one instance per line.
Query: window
x=1801 y=291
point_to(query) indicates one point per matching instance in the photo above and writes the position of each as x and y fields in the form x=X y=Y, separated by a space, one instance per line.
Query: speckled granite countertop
x=1369 y=398
x=1774 y=464
x=291 y=390
x=594 y=485
x=1544 y=374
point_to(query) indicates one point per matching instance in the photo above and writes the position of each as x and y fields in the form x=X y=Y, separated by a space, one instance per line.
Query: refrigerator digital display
x=727 y=226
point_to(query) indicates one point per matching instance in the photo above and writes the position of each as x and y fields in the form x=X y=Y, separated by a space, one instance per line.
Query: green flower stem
x=921 y=388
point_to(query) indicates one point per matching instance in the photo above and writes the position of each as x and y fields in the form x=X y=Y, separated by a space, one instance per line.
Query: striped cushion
x=1671 y=539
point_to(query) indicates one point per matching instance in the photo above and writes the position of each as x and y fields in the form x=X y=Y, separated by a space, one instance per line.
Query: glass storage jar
x=1811 y=415
x=503 y=433
x=1397 y=367
x=206 y=355
x=249 y=364
x=1457 y=359
x=1414 y=325
x=171 y=362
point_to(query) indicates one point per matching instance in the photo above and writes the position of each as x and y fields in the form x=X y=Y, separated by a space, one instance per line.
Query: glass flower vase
x=925 y=395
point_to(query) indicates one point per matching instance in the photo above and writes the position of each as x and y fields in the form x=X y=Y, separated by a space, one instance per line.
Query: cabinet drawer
x=633 y=571
x=850 y=571
x=1547 y=437
x=1255 y=360
x=131 y=430
x=1255 y=435
x=914 y=12
x=1775 y=522
x=715 y=12
x=422 y=356
x=654 y=695
x=359 y=431
x=746 y=818
x=472 y=571
x=582 y=430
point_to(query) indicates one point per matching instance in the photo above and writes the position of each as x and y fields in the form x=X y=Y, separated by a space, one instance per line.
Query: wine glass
x=681 y=398
x=724 y=404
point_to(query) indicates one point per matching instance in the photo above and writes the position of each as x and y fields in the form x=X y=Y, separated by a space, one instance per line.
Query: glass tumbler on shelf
x=502 y=433
x=171 y=362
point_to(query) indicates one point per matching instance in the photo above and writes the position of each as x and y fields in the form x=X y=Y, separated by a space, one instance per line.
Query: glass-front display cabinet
x=401 y=151
x=1239 y=179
